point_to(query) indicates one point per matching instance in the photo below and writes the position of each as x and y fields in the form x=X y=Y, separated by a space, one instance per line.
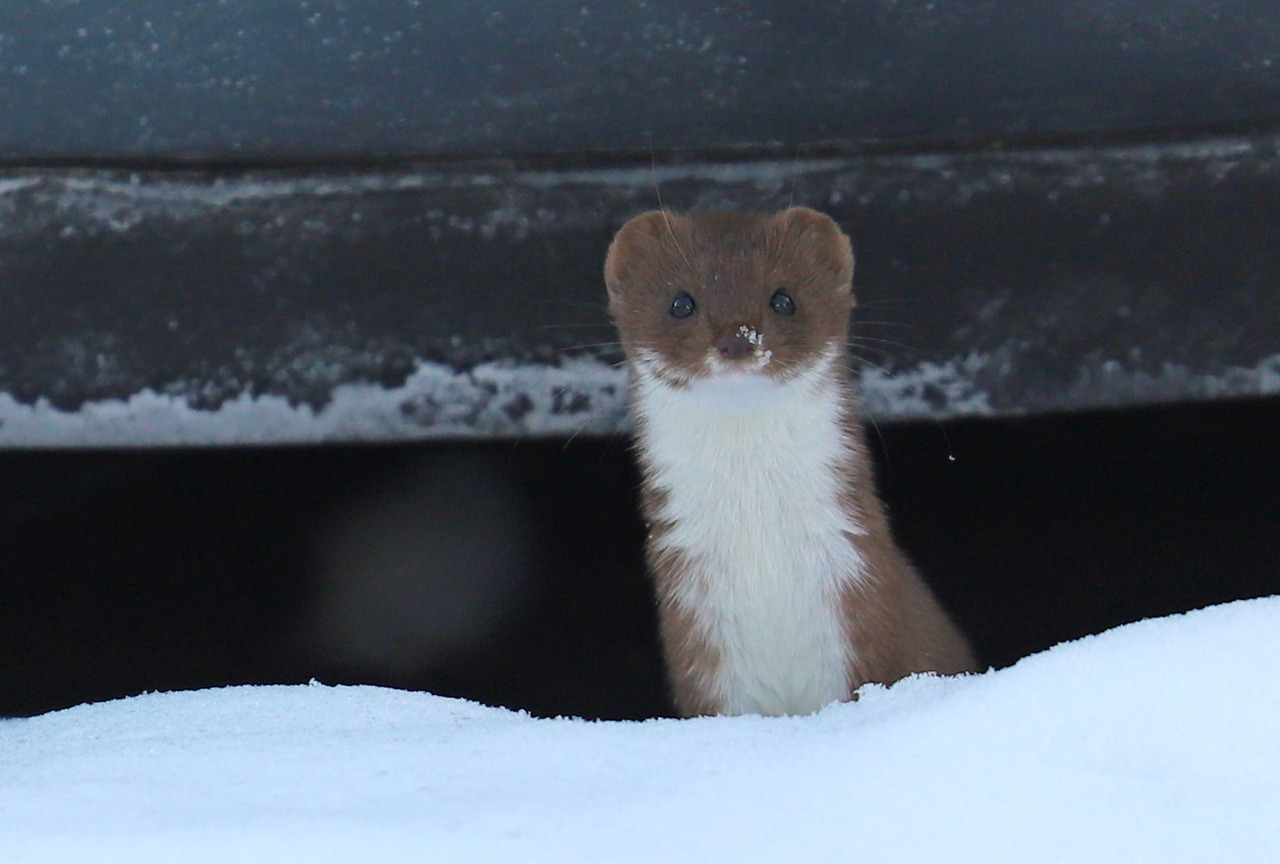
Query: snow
x=578 y=396
x=1152 y=742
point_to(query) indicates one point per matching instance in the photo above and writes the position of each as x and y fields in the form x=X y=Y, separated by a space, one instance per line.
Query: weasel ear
x=818 y=240
x=637 y=239
x=652 y=225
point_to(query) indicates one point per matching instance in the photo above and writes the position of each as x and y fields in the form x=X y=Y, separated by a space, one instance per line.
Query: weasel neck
x=754 y=539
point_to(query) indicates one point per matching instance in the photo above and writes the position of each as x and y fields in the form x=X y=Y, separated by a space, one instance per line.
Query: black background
x=133 y=571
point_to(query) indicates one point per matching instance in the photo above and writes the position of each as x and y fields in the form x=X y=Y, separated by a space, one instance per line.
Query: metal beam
x=463 y=298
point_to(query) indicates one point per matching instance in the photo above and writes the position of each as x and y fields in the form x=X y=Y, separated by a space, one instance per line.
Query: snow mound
x=1159 y=741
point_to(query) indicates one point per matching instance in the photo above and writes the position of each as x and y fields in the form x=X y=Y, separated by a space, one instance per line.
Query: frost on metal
x=1108 y=382
x=436 y=402
x=981 y=384
x=578 y=397
x=928 y=390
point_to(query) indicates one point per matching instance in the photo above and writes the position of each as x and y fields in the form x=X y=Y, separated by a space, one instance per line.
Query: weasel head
x=707 y=294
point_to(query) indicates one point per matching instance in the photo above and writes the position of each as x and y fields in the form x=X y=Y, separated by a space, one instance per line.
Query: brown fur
x=733 y=262
x=898 y=625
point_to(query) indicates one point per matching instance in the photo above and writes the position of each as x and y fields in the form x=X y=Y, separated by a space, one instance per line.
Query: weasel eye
x=782 y=303
x=682 y=306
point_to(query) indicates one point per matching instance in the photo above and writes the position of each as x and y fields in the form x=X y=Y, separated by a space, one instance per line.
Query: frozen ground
x=1159 y=742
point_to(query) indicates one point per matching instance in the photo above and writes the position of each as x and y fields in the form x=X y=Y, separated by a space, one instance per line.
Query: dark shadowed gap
x=123 y=572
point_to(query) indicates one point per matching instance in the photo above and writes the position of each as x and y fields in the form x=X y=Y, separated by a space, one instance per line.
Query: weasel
x=780 y=588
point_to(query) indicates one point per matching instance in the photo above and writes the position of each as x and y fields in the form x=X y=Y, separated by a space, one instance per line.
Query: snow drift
x=1159 y=741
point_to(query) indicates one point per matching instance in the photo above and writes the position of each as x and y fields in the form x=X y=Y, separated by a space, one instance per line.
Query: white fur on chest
x=753 y=472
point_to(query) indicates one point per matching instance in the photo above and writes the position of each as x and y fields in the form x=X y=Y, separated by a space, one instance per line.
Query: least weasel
x=780 y=588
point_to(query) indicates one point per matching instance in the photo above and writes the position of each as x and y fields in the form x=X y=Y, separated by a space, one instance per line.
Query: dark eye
x=782 y=303
x=682 y=306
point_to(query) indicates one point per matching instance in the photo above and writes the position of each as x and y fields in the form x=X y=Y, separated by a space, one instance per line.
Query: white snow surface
x=1158 y=741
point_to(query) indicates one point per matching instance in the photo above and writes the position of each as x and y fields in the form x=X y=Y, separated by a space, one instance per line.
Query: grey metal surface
x=464 y=299
x=289 y=79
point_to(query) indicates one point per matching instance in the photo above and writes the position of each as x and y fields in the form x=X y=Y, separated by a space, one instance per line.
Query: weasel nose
x=734 y=346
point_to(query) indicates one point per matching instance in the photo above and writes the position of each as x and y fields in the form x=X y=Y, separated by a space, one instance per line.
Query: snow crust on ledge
x=436 y=401
x=578 y=396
